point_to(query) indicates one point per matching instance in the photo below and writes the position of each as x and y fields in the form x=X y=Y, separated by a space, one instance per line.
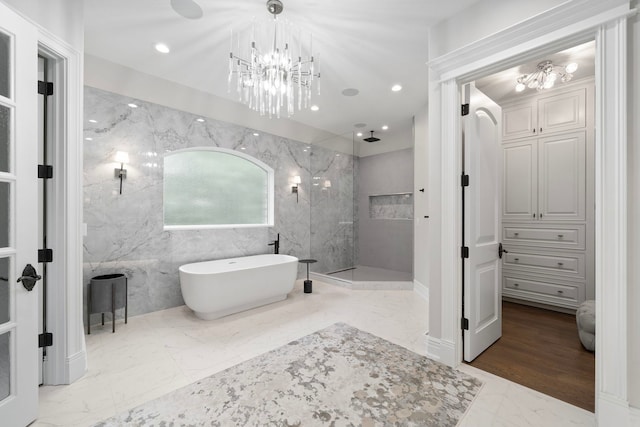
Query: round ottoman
x=586 y=320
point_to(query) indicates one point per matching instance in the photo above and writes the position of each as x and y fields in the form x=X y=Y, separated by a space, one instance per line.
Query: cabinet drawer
x=542 y=291
x=565 y=264
x=566 y=237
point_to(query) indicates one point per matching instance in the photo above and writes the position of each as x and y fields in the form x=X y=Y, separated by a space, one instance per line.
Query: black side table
x=307 y=283
x=107 y=293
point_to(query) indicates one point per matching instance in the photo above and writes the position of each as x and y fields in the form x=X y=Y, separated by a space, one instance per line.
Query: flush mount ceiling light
x=545 y=76
x=396 y=88
x=314 y=108
x=273 y=65
x=385 y=127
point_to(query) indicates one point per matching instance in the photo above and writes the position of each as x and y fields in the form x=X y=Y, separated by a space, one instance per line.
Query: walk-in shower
x=361 y=215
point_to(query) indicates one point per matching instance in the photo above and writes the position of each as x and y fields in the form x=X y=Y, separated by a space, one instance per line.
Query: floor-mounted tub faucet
x=276 y=245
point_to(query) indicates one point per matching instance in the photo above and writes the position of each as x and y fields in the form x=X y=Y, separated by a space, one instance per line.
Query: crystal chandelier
x=273 y=68
x=545 y=76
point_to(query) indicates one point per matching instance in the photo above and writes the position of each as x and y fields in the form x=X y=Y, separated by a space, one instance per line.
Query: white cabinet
x=545 y=114
x=545 y=178
x=548 y=186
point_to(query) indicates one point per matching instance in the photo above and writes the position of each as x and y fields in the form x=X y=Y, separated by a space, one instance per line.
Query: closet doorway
x=545 y=227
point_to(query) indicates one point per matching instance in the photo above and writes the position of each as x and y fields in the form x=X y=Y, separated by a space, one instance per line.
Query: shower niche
x=391 y=206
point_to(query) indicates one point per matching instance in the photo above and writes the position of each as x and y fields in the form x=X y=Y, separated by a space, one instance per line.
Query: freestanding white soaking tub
x=213 y=289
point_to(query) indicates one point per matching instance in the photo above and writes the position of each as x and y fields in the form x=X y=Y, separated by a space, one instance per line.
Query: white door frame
x=67 y=359
x=567 y=25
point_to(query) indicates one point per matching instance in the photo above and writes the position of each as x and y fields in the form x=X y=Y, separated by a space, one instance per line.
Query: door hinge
x=465 y=109
x=45 y=340
x=464 y=324
x=464 y=181
x=45 y=171
x=45 y=88
x=465 y=252
x=45 y=255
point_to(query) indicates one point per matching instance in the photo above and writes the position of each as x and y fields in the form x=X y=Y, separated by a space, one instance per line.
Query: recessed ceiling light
x=88 y=139
x=359 y=134
x=93 y=121
x=256 y=134
x=350 y=92
x=337 y=155
x=385 y=127
x=242 y=148
x=162 y=48
x=132 y=105
x=396 y=88
x=200 y=120
x=314 y=108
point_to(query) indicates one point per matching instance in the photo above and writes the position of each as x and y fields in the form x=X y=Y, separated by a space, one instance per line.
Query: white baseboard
x=612 y=411
x=441 y=351
x=634 y=416
x=421 y=290
x=76 y=366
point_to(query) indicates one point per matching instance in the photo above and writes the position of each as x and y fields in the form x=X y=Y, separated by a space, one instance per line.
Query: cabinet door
x=520 y=181
x=562 y=177
x=519 y=121
x=565 y=111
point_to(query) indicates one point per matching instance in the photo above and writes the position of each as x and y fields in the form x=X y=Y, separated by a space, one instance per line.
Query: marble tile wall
x=385 y=241
x=125 y=231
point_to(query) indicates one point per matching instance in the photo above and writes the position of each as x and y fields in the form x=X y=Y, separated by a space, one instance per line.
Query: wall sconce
x=297 y=181
x=122 y=157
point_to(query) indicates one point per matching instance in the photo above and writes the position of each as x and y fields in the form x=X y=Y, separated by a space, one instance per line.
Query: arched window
x=216 y=188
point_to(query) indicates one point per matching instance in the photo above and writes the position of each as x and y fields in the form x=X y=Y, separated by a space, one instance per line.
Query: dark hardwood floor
x=540 y=349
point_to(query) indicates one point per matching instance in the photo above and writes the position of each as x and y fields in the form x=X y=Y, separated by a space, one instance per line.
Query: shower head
x=372 y=138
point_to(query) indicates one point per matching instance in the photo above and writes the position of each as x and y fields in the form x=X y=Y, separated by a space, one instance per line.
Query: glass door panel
x=4 y=291
x=5 y=364
x=5 y=127
x=332 y=207
x=5 y=65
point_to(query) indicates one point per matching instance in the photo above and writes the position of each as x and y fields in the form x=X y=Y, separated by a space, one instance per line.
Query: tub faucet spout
x=276 y=245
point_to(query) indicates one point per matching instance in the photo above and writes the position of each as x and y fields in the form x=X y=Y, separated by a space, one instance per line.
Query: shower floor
x=365 y=277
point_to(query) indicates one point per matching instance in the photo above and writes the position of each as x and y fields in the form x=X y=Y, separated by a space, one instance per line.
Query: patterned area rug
x=339 y=376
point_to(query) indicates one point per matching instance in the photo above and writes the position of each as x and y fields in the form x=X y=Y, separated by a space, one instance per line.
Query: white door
x=18 y=219
x=482 y=269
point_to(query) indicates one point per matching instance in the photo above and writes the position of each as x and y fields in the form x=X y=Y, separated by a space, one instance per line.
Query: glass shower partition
x=333 y=229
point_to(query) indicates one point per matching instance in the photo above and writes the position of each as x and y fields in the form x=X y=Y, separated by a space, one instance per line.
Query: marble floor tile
x=161 y=351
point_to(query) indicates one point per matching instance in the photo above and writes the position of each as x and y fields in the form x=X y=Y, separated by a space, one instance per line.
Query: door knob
x=501 y=251
x=29 y=277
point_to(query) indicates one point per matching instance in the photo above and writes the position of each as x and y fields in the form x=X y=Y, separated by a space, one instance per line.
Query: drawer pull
x=516 y=234
x=516 y=285
x=516 y=259
x=560 y=292
x=560 y=236
x=560 y=264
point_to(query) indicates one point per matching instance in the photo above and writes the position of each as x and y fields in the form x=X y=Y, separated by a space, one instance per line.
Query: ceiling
x=501 y=86
x=368 y=45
